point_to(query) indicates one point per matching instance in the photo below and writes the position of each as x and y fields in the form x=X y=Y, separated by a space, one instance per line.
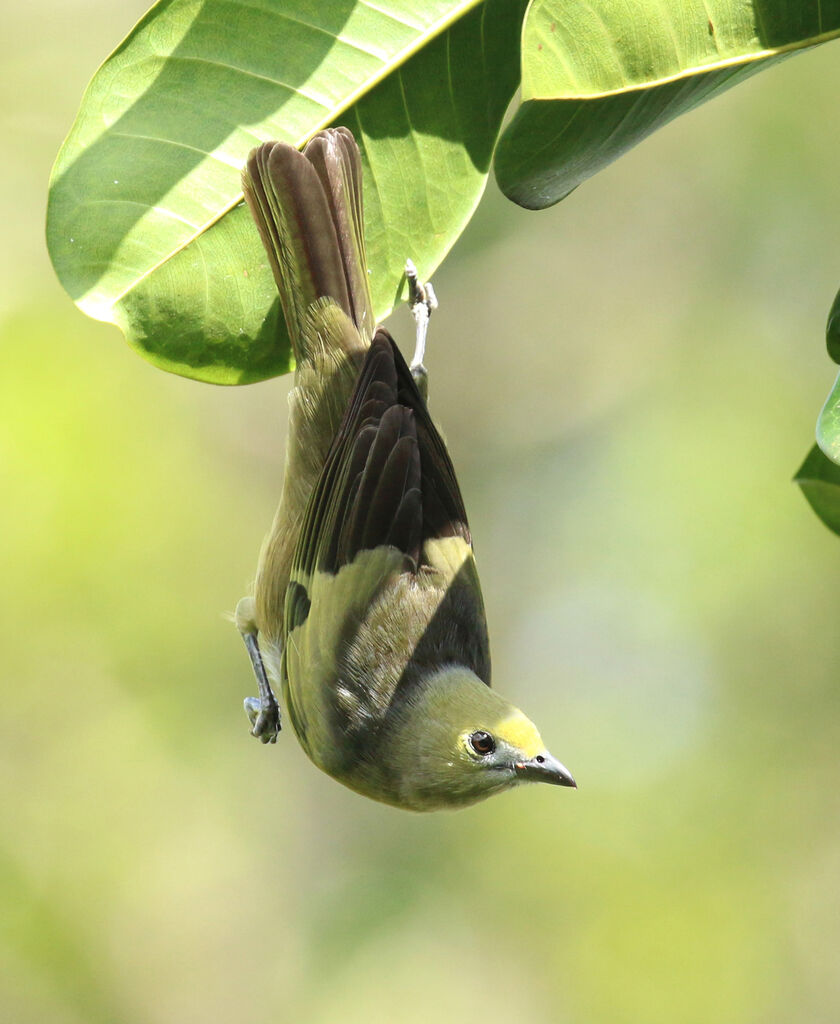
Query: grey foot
x=264 y=716
x=263 y=712
x=422 y=301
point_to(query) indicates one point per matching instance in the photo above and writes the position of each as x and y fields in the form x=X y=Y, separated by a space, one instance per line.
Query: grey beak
x=545 y=768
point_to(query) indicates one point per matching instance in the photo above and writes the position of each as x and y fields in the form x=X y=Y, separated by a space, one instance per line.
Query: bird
x=366 y=612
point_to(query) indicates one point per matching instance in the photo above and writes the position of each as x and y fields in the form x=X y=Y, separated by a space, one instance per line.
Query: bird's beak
x=545 y=768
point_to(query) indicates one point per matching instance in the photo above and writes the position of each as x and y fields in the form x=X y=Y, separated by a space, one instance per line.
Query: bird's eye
x=482 y=742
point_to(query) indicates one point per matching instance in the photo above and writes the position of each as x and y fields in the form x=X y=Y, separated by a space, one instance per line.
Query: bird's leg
x=421 y=300
x=263 y=711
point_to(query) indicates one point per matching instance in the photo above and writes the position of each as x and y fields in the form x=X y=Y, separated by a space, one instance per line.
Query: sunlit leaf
x=146 y=227
x=598 y=77
x=828 y=425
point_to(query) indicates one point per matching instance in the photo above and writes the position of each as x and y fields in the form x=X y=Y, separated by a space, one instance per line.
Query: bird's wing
x=383 y=550
x=388 y=479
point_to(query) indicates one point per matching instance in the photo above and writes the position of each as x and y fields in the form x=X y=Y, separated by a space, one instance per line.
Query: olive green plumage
x=367 y=609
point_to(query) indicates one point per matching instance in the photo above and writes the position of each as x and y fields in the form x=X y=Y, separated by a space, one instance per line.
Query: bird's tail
x=308 y=209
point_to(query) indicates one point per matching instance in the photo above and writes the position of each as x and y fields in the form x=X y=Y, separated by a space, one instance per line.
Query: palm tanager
x=367 y=611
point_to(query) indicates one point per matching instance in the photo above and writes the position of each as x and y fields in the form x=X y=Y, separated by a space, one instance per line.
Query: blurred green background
x=627 y=383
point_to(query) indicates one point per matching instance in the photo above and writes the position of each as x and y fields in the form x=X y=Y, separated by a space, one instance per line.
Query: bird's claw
x=419 y=294
x=264 y=716
x=422 y=301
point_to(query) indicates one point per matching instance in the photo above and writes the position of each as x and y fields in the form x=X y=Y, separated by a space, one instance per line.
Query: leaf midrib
x=699 y=69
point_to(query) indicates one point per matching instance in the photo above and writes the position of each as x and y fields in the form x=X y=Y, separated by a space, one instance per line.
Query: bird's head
x=458 y=742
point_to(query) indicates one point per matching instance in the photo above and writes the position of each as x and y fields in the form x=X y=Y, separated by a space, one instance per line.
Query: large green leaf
x=146 y=226
x=599 y=76
x=819 y=479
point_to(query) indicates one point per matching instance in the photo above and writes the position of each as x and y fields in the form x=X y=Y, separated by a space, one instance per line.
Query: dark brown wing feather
x=388 y=478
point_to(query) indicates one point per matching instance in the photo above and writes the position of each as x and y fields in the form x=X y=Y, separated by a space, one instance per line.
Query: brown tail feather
x=308 y=210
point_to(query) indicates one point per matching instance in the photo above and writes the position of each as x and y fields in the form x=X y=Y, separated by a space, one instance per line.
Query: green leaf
x=832 y=330
x=828 y=425
x=819 y=479
x=146 y=226
x=599 y=76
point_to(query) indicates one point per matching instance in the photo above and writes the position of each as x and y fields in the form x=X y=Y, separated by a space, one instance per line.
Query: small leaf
x=146 y=227
x=832 y=330
x=819 y=479
x=599 y=77
x=828 y=425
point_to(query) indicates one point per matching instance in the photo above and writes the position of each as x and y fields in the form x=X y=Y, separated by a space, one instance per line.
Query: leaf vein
x=393 y=17
x=248 y=73
x=215 y=155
